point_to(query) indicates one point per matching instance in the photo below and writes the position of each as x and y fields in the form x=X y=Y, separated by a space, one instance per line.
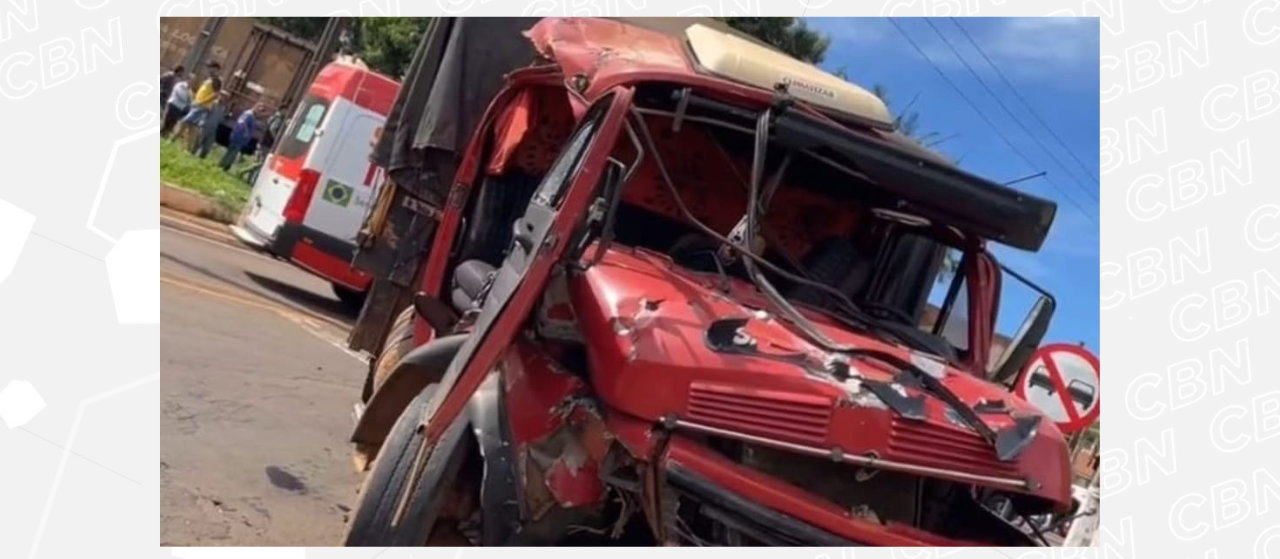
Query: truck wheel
x=398 y=342
x=395 y=510
x=351 y=299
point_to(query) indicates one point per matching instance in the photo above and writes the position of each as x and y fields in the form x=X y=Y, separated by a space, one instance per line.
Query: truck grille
x=941 y=446
x=798 y=418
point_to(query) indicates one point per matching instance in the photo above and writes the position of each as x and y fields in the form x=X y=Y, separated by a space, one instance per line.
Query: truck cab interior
x=822 y=222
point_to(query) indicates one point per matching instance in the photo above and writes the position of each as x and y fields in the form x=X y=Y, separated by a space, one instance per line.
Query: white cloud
x=856 y=30
x=1050 y=48
x=1053 y=40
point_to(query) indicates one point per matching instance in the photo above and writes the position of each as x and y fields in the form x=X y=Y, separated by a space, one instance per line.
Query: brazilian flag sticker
x=337 y=193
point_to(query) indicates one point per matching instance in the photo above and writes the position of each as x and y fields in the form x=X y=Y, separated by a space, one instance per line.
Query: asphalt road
x=256 y=396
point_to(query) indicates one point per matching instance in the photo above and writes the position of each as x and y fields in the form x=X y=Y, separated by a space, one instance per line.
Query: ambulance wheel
x=351 y=299
x=393 y=508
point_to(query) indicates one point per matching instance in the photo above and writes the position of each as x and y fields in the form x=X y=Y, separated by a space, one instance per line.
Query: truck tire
x=373 y=521
x=398 y=342
x=351 y=299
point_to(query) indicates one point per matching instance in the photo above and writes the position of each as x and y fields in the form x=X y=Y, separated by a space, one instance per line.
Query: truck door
x=540 y=238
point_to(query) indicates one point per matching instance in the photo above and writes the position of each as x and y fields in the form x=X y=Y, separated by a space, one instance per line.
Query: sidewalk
x=202 y=227
x=187 y=202
x=192 y=213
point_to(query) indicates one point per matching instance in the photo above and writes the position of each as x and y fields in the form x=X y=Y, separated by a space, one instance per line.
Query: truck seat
x=469 y=284
x=835 y=262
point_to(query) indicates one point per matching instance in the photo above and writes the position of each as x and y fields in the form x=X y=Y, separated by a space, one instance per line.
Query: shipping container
x=260 y=63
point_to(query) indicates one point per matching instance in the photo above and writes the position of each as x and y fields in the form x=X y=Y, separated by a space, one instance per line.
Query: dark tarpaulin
x=480 y=52
x=456 y=71
x=396 y=136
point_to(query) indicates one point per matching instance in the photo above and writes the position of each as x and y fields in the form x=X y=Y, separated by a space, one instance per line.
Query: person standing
x=245 y=128
x=176 y=106
x=167 y=82
x=275 y=125
x=270 y=135
x=208 y=134
x=204 y=100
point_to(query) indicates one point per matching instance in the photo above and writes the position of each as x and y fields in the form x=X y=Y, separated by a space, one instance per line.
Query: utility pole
x=1084 y=530
x=329 y=42
x=200 y=48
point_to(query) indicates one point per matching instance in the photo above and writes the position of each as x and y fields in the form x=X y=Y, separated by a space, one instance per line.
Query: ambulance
x=318 y=183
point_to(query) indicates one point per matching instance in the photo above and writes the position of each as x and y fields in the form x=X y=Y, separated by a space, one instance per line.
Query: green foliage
x=309 y=28
x=788 y=34
x=179 y=168
x=387 y=43
x=905 y=118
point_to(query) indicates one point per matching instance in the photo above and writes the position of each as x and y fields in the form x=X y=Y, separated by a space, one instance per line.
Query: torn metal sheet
x=931 y=366
x=895 y=396
x=1012 y=440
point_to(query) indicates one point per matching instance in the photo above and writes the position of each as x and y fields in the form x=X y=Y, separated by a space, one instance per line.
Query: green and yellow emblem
x=337 y=193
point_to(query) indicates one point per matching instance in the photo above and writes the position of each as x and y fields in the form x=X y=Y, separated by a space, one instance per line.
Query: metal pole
x=328 y=44
x=200 y=48
x=1084 y=531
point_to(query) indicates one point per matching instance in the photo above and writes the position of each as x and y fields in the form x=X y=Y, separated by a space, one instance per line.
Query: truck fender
x=500 y=498
x=419 y=368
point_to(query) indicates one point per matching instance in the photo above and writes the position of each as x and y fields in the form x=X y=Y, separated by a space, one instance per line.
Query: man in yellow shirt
x=204 y=100
x=209 y=89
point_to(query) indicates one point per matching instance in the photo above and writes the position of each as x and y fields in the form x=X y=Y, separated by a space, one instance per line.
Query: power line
x=1015 y=118
x=975 y=108
x=1024 y=102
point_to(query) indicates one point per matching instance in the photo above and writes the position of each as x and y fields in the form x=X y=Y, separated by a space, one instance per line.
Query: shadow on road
x=325 y=305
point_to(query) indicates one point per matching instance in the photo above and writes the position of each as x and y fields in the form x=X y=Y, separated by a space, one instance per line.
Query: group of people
x=193 y=119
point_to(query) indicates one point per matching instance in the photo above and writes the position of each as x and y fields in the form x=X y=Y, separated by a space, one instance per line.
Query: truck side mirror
x=1025 y=341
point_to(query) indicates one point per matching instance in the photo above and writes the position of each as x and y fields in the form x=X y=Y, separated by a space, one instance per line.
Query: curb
x=201 y=227
x=178 y=199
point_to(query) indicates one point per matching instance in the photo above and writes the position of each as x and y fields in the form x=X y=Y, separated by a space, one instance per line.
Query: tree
x=788 y=34
x=386 y=44
x=309 y=28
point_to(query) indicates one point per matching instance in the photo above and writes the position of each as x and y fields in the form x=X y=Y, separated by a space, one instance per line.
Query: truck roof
x=835 y=116
x=460 y=63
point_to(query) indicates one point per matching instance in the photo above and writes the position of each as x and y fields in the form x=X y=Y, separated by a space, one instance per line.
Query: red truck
x=672 y=296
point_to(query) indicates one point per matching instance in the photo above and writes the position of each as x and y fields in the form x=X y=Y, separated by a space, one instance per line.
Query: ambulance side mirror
x=1024 y=343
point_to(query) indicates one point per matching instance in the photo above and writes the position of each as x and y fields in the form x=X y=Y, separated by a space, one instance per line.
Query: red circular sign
x=1064 y=381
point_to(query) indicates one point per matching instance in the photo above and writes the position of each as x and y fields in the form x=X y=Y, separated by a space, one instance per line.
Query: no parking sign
x=1063 y=381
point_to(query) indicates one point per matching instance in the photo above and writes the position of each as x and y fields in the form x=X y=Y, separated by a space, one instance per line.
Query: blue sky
x=1053 y=63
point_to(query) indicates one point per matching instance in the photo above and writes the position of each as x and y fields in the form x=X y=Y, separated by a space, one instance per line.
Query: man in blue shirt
x=243 y=132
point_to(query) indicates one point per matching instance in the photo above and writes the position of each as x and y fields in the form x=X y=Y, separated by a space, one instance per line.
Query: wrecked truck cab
x=686 y=310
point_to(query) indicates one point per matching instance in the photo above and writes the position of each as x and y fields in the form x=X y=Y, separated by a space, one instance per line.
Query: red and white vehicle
x=317 y=185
